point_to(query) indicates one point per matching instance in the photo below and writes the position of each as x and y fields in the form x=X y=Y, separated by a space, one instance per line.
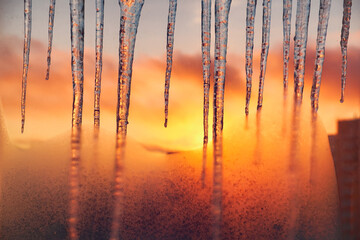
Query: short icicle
x=300 y=41
x=287 y=8
x=264 y=48
x=324 y=14
x=50 y=36
x=27 y=40
x=98 y=59
x=129 y=21
x=222 y=8
x=344 y=42
x=169 y=53
x=250 y=21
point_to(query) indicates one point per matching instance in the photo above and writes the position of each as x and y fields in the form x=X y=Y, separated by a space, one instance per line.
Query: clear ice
x=77 y=55
x=250 y=20
x=98 y=59
x=27 y=40
x=264 y=48
x=50 y=35
x=344 y=42
x=324 y=13
x=206 y=61
x=300 y=41
x=129 y=21
x=169 y=53
x=287 y=8
x=222 y=8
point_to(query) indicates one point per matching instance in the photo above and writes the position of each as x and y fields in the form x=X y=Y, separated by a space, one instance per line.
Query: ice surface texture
x=50 y=35
x=344 y=42
x=250 y=21
x=324 y=14
x=98 y=59
x=169 y=53
x=264 y=48
x=27 y=40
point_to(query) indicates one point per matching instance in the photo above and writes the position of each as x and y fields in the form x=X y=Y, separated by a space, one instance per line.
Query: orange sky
x=48 y=109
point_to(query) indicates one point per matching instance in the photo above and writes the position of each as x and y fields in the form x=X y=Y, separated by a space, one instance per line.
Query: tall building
x=345 y=148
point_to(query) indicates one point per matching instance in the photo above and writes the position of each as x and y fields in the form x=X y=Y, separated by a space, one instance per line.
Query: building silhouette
x=345 y=148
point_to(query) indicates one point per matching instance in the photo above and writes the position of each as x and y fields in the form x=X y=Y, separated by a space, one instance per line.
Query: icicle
x=169 y=53
x=300 y=41
x=344 y=42
x=129 y=21
x=50 y=35
x=324 y=14
x=206 y=61
x=222 y=8
x=130 y=14
x=27 y=40
x=74 y=182
x=287 y=8
x=205 y=39
x=264 y=48
x=77 y=55
x=250 y=20
x=98 y=59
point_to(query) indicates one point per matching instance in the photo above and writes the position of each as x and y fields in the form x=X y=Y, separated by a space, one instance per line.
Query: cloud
x=49 y=102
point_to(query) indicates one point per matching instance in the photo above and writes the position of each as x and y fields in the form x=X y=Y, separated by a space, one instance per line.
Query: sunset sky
x=48 y=110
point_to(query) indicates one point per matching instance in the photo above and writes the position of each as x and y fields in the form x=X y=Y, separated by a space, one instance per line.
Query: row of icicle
x=300 y=42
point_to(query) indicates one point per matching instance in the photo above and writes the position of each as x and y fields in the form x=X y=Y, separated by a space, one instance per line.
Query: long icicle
x=50 y=35
x=344 y=42
x=206 y=62
x=222 y=8
x=77 y=56
x=250 y=21
x=300 y=41
x=287 y=8
x=324 y=13
x=129 y=21
x=27 y=40
x=264 y=48
x=169 y=53
x=98 y=59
